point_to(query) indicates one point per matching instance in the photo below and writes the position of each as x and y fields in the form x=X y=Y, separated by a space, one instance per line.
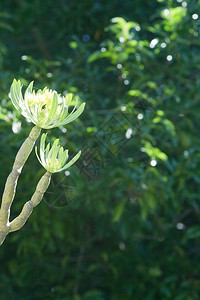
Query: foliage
x=124 y=224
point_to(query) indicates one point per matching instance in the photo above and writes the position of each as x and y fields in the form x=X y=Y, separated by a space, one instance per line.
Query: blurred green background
x=124 y=222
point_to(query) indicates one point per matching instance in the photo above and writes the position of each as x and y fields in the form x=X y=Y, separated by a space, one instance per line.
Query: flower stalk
x=41 y=188
x=11 y=183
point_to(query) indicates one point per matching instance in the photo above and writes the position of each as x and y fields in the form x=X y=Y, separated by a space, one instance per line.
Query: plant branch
x=11 y=183
x=41 y=188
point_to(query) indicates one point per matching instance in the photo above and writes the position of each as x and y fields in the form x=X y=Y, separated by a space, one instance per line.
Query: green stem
x=41 y=188
x=11 y=183
x=27 y=209
x=4 y=230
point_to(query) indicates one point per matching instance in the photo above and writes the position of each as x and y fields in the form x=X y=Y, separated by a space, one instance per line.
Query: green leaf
x=118 y=210
x=72 y=161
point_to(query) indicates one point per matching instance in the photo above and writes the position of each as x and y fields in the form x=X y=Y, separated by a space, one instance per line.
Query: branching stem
x=11 y=182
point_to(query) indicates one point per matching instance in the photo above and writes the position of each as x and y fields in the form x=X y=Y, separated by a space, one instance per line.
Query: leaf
x=94 y=56
x=118 y=210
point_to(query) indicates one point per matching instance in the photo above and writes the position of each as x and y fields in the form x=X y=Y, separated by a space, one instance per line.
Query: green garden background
x=124 y=222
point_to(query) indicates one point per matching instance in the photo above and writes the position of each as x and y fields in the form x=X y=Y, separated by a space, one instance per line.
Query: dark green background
x=116 y=228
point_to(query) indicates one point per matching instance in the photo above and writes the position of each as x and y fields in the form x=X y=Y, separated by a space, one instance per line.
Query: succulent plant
x=54 y=158
x=44 y=108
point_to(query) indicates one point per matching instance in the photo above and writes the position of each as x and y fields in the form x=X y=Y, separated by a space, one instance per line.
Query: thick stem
x=11 y=183
x=41 y=188
x=4 y=230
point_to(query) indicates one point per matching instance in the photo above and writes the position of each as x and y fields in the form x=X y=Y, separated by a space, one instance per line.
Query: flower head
x=45 y=108
x=54 y=158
